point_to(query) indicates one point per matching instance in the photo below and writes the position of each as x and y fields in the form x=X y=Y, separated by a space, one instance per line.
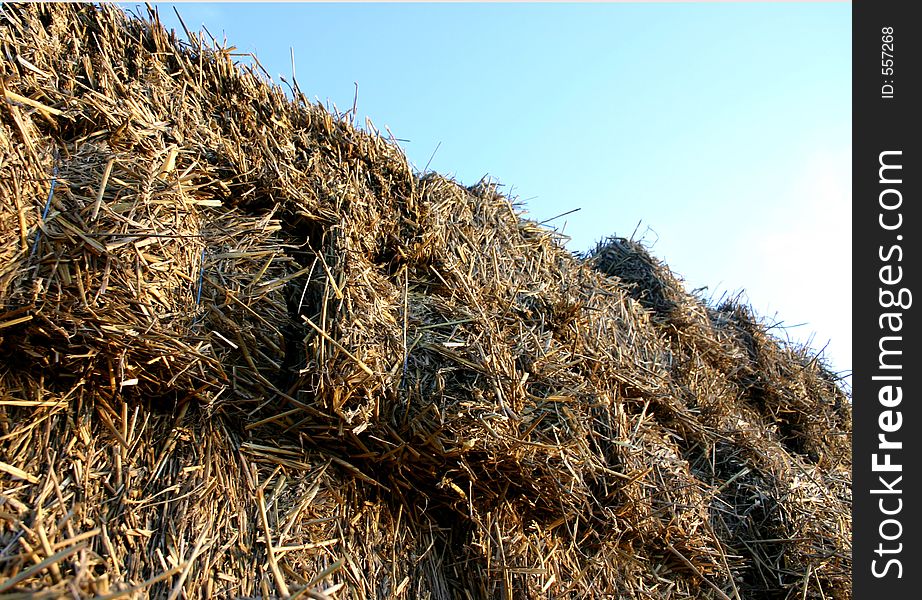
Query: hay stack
x=248 y=352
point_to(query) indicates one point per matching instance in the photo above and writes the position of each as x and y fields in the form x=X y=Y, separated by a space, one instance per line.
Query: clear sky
x=723 y=129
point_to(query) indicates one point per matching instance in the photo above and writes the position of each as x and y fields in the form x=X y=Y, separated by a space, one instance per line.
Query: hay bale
x=254 y=354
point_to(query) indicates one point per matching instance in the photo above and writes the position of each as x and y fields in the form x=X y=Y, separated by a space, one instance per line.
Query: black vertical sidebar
x=887 y=435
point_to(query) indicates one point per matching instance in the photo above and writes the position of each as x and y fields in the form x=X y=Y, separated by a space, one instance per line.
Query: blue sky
x=723 y=128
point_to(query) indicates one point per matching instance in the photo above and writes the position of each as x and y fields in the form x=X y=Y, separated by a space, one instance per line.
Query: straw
x=380 y=384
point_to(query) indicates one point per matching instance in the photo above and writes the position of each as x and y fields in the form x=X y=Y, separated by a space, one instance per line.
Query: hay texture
x=248 y=352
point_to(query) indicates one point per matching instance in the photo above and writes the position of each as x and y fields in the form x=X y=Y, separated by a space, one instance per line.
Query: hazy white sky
x=725 y=129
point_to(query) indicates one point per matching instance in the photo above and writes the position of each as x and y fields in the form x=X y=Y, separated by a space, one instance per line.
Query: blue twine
x=54 y=182
x=201 y=280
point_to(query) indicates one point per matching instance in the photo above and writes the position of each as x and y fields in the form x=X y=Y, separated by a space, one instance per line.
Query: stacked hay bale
x=247 y=351
x=766 y=421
